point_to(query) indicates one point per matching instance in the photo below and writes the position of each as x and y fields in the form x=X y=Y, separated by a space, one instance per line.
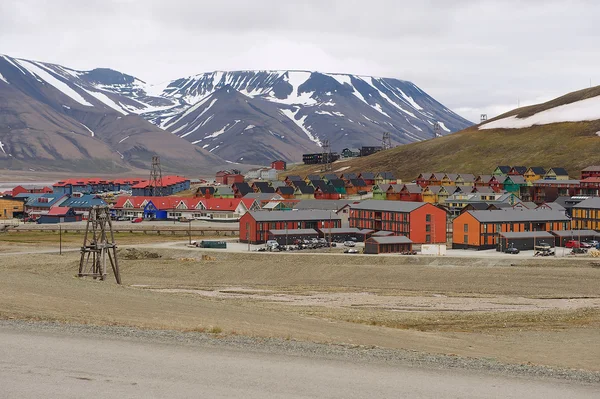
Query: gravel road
x=70 y=361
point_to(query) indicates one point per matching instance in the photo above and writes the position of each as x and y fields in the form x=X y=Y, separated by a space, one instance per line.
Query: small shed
x=59 y=214
x=562 y=236
x=388 y=245
x=524 y=240
x=289 y=236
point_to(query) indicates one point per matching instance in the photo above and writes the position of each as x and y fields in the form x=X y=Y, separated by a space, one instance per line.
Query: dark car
x=512 y=251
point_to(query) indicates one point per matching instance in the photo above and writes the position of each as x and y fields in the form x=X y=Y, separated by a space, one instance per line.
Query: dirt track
x=544 y=312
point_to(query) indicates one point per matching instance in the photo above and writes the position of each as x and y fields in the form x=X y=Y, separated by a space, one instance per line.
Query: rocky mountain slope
x=55 y=118
x=213 y=118
x=297 y=110
x=563 y=132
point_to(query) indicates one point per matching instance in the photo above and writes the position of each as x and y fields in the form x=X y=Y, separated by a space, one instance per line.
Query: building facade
x=423 y=223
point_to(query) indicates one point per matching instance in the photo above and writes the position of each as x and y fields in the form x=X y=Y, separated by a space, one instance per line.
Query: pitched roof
x=391 y=240
x=516 y=179
x=358 y=182
x=224 y=190
x=519 y=169
x=386 y=175
x=84 y=201
x=519 y=215
x=484 y=178
x=347 y=176
x=390 y=206
x=559 y=171
x=329 y=176
x=313 y=177
x=305 y=189
x=339 y=230
x=325 y=205
x=273 y=216
x=287 y=190
x=503 y=168
x=337 y=183
x=590 y=203
x=293 y=178
x=59 y=210
x=382 y=186
x=327 y=189
x=382 y=233
x=266 y=196
x=593 y=168
x=411 y=188
x=467 y=177
x=367 y=175
x=538 y=170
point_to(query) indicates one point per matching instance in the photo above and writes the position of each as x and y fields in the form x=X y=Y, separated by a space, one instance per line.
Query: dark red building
x=590 y=171
x=256 y=225
x=279 y=165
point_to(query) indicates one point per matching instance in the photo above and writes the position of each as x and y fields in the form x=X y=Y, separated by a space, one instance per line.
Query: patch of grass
x=573 y=146
x=215 y=330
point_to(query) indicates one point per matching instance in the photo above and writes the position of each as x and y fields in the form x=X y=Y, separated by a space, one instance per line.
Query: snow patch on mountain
x=300 y=122
x=64 y=88
x=106 y=100
x=583 y=110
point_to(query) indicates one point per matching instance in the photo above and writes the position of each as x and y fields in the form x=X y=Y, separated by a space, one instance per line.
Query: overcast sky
x=473 y=56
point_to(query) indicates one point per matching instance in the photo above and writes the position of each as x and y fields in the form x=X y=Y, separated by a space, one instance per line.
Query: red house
x=497 y=183
x=255 y=226
x=422 y=222
x=234 y=178
x=411 y=193
x=279 y=165
x=30 y=190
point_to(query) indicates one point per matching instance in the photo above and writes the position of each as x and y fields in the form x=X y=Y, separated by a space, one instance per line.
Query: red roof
x=58 y=210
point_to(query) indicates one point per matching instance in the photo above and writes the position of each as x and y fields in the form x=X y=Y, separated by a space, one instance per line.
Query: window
x=466 y=239
x=466 y=228
x=428 y=238
x=428 y=217
x=428 y=228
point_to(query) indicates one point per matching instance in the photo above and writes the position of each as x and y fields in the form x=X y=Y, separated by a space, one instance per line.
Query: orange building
x=421 y=222
x=480 y=229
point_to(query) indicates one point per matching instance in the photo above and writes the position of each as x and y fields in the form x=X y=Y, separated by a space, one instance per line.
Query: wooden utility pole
x=98 y=246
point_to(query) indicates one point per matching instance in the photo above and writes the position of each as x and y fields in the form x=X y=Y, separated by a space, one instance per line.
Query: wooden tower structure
x=99 y=245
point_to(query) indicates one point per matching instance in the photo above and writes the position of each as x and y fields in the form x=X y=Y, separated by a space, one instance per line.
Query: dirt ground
x=517 y=311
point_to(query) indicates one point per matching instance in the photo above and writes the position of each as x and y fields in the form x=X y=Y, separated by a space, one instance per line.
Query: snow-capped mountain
x=246 y=116
x=297 y=109
x=52 y=117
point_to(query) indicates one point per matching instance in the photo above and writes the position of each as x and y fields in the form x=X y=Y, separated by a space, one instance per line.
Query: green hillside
x=571 y=145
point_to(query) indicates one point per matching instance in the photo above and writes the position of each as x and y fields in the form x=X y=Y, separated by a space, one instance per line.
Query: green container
x=213 y=244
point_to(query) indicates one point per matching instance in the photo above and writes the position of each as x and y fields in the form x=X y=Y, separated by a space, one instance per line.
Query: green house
x=380 y=191
x=501 y=170
x=223 y=192
x=513 y=184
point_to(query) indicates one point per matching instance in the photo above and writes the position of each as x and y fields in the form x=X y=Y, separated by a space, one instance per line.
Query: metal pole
x=60 y=239
x=190 y=231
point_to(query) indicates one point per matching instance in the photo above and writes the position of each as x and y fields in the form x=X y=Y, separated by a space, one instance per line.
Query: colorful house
x=279 y=165
x=534 y=173
x=385 y=177
x=304 y=192
x=368 y=177
x=556 y=174
x=517 y=170
x=380 y=191
x=423 y=179
x=465 y=179
x=420 y=222
x=501 y=170
x=11 y=208
x=480 y=229
x=410 y=192
x=590 y=171
x=255 y=226
x=513 y=184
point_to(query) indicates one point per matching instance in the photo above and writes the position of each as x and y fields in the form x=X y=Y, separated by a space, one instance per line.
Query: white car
x=349 y=244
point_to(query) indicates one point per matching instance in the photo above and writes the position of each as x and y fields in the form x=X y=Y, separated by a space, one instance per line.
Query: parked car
x=592 y=243
x=351 y=251
x=349 y=244
x=512 y=250
x=184 y=219
x=576 y=244
x=272 y=245
x=137 y=220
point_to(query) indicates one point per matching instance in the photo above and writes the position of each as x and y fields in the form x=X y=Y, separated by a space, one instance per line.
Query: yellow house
x=465 y=179
x=10 y=207
x=449 y=179
x=534 y=173
x=557 y=174
x=586 y=214
x=435 y=194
